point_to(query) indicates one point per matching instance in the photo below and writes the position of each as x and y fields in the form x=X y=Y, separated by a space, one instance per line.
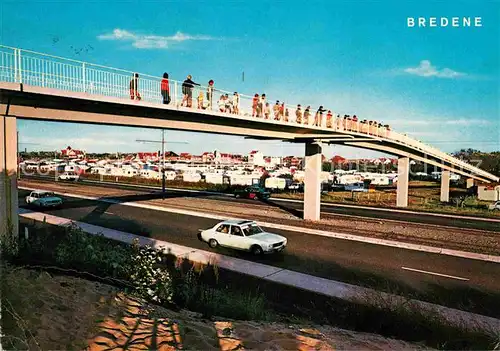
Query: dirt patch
x=45 y=311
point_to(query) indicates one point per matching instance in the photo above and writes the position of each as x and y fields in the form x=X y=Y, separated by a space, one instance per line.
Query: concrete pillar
x=469 y=183
x=8 y=177
x=445 y=186
x=312 y=182
x=403 y=180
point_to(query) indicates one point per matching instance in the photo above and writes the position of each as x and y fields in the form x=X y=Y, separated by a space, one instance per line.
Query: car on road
x=295 y=186
x=253 y=192
x=494 y=206
x=243 y=235
x=69 y=176
x=43 y=199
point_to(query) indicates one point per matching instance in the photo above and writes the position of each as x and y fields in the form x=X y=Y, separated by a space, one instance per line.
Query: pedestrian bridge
x=45 y=87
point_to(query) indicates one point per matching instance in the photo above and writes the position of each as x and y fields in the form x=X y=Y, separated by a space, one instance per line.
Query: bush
x=144 y=271
x=149 y=279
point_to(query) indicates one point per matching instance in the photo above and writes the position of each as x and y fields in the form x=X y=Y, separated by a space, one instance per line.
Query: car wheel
x=257 y=250
x=213 y=243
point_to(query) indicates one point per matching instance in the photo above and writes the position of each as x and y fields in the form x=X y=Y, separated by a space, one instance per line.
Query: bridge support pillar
x=312 y=182
x=469 y=183
x=9 y=223
x=403 y=180
x=445 y=186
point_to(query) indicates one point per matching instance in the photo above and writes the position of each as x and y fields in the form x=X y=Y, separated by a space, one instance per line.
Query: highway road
x=327 y=209
x=427 y=276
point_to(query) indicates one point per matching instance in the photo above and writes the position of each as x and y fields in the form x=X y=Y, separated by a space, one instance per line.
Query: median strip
x=368 y=240
x=331 y=288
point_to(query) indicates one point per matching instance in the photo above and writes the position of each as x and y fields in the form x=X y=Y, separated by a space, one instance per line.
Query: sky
x=440 y=85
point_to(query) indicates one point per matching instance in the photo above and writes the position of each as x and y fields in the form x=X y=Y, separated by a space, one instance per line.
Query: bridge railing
x=37 y=69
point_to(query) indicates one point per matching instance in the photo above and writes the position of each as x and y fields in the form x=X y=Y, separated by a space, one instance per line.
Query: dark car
x=252 y=192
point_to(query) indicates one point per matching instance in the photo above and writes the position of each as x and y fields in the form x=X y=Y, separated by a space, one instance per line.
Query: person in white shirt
x=222 y=103
x=267 y=110
x=236 y=103
x=262 y=104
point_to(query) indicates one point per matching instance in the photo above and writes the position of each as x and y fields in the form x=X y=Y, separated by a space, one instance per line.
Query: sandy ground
x=480 y=241
x=60 y=313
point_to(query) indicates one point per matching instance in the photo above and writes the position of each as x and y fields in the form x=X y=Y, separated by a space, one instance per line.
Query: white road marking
x=110 y=213
x=302 y=281
x=434 y=273
x=303 y=230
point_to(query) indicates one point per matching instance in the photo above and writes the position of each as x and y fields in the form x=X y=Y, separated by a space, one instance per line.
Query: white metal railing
x=37 y=69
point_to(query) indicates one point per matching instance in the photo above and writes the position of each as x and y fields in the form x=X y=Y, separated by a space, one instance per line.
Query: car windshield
x=251 y=229
x=47 y=195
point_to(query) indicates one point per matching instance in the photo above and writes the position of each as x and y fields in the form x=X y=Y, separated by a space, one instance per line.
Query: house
x=72 y=153
x=488 y=192
x=146 y=156
x=256 y=158
x=291 y=161
x=207 y=157
x=185 y=156
x=338 y=160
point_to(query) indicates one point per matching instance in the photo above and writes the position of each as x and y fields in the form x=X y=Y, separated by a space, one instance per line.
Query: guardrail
x=43 y=70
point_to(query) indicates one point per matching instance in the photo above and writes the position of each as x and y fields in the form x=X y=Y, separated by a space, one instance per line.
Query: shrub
x=144 y=270
x=92 y=253
x=148 y=278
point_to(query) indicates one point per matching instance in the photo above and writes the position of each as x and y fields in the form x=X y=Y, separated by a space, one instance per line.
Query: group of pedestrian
x=280 y=112
x=260 y=106
x=187 y=91
x=229 y=105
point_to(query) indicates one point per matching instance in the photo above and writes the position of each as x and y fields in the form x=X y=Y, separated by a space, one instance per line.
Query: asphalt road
x=380 y=267
x=329 y=209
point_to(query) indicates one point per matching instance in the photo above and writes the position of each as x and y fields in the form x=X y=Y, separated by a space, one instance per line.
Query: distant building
x=207 y=157
x=291 y=161
x=256 y=158
x=72 y=153
x=146 y=156
x=488 y=192
x=185 y=156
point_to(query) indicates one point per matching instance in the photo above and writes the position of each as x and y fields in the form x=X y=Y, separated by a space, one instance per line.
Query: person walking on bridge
x=298 y=114
x=134 y=87
x=210 y=93
x=255 y=106
x=307 y=114
x=165 y=89
x=187 y=91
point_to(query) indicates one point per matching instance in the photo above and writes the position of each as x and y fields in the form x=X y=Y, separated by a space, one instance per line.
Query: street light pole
x=163 y=180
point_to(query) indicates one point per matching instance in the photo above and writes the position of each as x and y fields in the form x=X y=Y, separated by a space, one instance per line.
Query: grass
x=425 y=199
x=213 y=291
x=111 y=258
x=423 y=195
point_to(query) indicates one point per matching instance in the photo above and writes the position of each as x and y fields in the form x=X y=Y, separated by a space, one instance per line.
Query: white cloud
x=140 y=41
x=426 y=69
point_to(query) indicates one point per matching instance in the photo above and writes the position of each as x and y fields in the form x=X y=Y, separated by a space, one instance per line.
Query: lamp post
x=162 y=141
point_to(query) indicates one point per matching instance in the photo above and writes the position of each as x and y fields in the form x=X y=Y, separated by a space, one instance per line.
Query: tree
x=488 y=161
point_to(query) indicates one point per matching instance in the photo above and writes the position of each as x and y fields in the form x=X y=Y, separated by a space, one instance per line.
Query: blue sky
x=440 y=85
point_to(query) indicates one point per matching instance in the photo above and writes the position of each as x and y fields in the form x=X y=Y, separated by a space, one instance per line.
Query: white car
x=43 y=199
x=242 y=235
x=494 y=206
x=69 y=176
